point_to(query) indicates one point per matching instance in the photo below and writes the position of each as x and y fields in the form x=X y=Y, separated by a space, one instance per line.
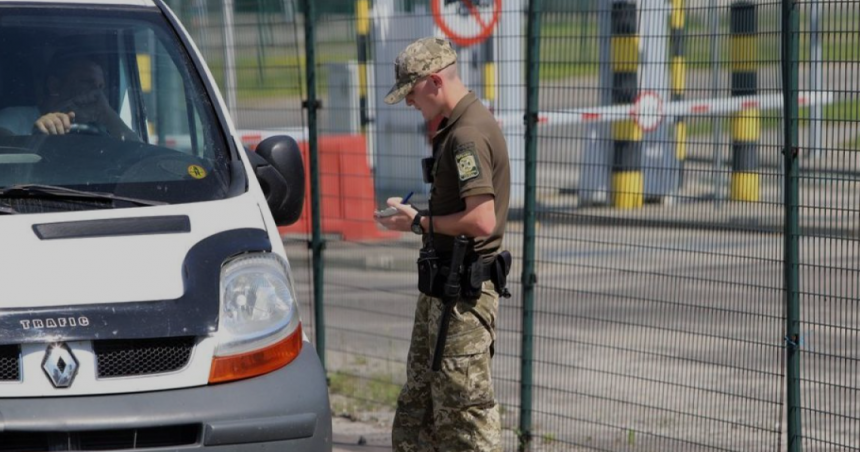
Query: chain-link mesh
x=661 y=301
x=828 y=265
x=659 y=305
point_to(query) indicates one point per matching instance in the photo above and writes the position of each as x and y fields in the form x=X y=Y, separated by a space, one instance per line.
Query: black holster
x=501 y=266
x=496 y=271
x=432 y=275
x=428 y=270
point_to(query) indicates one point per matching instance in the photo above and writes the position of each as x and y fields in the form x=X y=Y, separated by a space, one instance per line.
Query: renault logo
x=60 y=365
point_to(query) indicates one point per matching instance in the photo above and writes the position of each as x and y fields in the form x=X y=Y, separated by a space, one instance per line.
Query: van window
x=140 y=122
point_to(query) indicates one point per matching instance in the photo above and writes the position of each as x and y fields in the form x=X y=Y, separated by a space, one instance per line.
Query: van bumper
x=287 y=409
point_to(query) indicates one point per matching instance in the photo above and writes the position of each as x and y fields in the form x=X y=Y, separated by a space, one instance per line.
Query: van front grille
x=126 y=439
x=10 y=363
x=132 y=357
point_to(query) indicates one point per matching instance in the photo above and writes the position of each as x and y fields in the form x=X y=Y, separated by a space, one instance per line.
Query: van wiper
x=6 y=209
x=53 y=191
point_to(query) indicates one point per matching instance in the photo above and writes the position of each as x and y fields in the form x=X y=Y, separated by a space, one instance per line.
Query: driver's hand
x=56 y=123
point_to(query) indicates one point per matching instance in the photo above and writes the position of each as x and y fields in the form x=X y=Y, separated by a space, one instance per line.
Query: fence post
x=529 y=279
x=317 y=243
x=790 y=61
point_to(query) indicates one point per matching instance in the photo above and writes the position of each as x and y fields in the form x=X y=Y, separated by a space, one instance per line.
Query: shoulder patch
x=467 y=161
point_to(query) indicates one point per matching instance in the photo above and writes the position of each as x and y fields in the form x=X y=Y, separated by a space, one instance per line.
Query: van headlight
x=259 y=328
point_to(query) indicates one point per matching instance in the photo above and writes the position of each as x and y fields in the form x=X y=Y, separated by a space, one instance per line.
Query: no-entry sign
x=466 y=22
x=648 y=111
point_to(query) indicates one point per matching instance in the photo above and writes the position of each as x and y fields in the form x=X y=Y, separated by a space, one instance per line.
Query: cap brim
x=398 y=93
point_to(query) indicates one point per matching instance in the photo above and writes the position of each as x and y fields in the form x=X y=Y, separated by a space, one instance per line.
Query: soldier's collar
x=458 y=111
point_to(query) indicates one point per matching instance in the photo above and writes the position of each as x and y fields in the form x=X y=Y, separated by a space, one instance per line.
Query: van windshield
x=99 y=100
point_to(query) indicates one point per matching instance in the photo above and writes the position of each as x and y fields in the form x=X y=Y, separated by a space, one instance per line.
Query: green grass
x=548 y=438
x=569 y=45
x=363 y=393
x=848 y=111
x=568 y=48
x=275 y=75
x=839 y=111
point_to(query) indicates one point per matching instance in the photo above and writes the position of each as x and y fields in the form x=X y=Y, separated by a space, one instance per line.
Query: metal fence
x=685 y=206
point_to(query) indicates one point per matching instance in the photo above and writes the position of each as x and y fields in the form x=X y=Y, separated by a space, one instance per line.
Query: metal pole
x=790 y=61
x=677 y=33
x=201 y=23
x=529 y=279
x=489 y=78
x=261 y=46
x=317 y=243
x=509 y=93
x=627 y=184
x=597 y=156
x=229 y=58
x=657 y=162
x=816 y=75
x=746 y=123
x=715 y=92
x=362 y=11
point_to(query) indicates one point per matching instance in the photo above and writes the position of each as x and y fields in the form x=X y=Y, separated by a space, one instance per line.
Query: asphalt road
x=646 y=338
x=653 y=338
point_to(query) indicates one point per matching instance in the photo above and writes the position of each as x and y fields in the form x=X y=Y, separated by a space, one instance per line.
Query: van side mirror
x=278 y=166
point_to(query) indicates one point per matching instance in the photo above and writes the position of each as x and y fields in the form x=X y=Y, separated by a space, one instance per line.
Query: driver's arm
x=58 y=123
x=117 y=128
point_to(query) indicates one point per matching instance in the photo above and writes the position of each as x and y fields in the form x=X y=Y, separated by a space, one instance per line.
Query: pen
x=406 y=199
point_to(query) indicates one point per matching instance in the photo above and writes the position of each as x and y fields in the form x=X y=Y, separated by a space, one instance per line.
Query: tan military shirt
x=471 y=159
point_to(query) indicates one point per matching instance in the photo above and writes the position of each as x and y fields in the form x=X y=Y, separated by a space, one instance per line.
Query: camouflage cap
x=419 y=59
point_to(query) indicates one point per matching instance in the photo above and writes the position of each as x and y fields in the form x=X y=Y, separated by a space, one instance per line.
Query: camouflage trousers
x=454 y=409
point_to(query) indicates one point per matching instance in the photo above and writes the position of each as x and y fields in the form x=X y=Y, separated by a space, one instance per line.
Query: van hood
x=111 y=256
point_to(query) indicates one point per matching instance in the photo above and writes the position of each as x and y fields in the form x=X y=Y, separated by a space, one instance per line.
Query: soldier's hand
x=402 y=220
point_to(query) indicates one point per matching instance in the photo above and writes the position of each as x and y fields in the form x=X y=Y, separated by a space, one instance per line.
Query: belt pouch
x=428 y=270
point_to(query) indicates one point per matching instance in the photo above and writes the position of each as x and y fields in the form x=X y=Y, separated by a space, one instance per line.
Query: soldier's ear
x=437 y=80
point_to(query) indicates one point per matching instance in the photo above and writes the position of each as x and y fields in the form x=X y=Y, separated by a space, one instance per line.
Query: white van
x=145 y=298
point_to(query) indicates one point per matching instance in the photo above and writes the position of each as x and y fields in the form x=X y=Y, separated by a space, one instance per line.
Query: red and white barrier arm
x=688 y=108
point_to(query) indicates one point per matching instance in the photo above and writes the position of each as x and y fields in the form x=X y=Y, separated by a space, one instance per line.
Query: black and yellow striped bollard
x=362 y=13
x=489 y=70
x=678 y=65
x=745 y=123
x=627 y=182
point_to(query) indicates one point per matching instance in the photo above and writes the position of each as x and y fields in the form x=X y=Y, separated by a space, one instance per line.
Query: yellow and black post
x=362 y=13
x=746 y=123
x=627 y=182
x=489 y=70
x=677 y=37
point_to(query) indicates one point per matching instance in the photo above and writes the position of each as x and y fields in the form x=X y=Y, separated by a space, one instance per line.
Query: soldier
x=452 y=409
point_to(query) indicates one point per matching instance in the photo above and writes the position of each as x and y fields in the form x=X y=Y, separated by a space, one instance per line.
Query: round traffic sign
x=466 y=22
x=648 y=111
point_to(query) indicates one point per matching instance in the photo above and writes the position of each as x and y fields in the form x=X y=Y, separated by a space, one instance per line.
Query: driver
x=75 y=95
